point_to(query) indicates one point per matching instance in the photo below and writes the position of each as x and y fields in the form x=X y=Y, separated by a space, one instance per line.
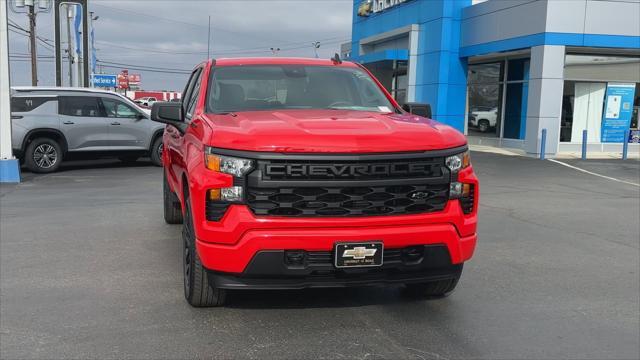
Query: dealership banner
x=618 y=108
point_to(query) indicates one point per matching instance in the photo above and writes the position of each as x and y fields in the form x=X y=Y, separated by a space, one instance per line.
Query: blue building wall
x=440 y=72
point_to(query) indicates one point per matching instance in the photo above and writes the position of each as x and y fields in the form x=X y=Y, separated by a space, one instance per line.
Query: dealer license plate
x=365 y=254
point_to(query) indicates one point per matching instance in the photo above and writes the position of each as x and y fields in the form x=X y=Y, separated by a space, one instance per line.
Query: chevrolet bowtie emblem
x=359 y=252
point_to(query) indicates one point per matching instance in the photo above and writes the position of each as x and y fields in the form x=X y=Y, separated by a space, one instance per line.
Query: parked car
x=295 y=173
x=146 y=101
x=484 y=119
x=50 y=125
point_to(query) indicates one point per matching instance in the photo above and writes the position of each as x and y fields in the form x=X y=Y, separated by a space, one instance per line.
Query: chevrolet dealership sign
x=375 y=6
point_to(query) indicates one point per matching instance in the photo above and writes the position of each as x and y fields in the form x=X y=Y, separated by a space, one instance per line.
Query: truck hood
x=335 y=131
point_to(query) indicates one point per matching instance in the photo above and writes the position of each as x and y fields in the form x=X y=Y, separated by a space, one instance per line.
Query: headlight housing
x=237 y=167
x=458 y=162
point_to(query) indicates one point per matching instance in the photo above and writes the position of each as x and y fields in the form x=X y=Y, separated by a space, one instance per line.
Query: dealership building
x=504 y=70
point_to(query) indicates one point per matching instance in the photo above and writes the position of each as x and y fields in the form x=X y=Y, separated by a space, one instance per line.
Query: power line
x=142 y=66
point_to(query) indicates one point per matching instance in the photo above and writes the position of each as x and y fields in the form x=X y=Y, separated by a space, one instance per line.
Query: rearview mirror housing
x=419 y=109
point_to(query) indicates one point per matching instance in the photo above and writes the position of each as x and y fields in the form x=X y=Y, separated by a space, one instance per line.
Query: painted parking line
x=594 y=174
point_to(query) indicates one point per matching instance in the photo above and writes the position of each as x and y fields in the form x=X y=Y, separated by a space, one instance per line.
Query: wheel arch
x=156 y=134
x=54 y=134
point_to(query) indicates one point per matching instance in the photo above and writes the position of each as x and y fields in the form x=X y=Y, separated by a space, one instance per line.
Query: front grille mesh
x=348 y=201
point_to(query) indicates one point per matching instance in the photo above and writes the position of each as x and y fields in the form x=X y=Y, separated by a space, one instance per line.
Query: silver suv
x=52 y=124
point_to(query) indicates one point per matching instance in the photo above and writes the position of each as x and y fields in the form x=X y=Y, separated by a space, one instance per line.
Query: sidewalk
x=633 y=154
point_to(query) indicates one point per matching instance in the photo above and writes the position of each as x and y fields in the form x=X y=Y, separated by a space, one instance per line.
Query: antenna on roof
x=336 y=59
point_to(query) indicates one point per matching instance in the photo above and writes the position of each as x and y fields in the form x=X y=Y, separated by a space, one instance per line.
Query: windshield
x=250 y=88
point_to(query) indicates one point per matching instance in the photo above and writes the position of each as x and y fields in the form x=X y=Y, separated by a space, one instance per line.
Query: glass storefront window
x=485 y=99
x=585 y=92
x=515 y=112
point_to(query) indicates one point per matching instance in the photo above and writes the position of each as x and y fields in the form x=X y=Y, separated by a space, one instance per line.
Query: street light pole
x=32 y=43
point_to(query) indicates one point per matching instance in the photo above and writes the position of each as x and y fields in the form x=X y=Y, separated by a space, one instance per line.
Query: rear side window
x=86 y=106
x=26 y=104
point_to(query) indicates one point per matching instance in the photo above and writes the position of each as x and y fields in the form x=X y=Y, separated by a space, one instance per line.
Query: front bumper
x=227 y=247
x=395 y=232
x=279 y=269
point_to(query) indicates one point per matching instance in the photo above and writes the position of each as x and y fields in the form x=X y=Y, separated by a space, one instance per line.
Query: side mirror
x=168 y=113
x=140 y=116
x=419 y=109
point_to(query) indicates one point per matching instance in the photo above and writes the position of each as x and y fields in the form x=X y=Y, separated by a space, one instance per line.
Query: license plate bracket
x=358 y=255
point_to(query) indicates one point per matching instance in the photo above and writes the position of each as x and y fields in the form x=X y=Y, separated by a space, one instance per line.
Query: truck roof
x=280 y=61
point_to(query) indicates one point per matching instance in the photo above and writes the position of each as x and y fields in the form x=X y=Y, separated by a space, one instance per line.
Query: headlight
x=459 y=161
x=237 y=167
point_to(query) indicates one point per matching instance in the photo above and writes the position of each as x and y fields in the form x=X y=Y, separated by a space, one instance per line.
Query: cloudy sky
x=172 y=35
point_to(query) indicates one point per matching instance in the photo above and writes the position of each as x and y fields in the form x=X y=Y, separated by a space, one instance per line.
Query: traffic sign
x=101 y=80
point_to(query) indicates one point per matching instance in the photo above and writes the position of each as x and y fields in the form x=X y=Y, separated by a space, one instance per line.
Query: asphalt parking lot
x=89 y=269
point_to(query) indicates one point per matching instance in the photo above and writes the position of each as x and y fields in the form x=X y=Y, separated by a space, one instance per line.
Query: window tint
x=80 y=106
x=26 y=104
x=194 y=97
x=118 y=109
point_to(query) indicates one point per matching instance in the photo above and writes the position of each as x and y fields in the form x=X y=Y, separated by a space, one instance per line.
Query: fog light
x=455 y=190
x=231 y=194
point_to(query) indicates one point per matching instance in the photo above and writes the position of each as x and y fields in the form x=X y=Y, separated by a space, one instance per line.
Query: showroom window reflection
x=488 y=105
x=585 y=90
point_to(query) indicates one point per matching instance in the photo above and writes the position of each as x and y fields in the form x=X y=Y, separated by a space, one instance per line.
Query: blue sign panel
x=100 y=80
x=618 y=108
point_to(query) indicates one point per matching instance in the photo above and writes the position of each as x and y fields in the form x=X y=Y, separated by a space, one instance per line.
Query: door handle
x=115 y=123
x=68 y=122
x=16 y=117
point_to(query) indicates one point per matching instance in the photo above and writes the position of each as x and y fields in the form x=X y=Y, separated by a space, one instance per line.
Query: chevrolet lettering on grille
x=357 y=170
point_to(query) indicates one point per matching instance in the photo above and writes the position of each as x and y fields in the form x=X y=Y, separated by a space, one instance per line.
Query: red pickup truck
x=295 y=173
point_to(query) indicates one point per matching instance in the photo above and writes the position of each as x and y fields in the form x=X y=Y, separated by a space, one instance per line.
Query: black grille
x=467 y=201
x=348 y=186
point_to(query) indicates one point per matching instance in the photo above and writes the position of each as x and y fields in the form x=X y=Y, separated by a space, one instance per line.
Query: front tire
x=483 y=125
x=197 y=289
x=172 y=207
x=156 y=152
x=43 y=155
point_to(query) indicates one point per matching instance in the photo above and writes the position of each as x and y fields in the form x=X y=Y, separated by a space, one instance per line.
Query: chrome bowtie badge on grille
x=359 y=252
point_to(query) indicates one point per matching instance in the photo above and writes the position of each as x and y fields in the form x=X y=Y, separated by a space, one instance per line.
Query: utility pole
x=69 y=44
x=31 y=8
x=209 y=39
x=32 y=44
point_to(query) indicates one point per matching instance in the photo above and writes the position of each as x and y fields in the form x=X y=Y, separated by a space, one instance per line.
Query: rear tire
x=156 y=152
x=43 y=155
x=172 y=207
x=197 y=289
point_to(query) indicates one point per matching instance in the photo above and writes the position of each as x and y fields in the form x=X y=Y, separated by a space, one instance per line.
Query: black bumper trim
x=383 y=277
x=273 y=269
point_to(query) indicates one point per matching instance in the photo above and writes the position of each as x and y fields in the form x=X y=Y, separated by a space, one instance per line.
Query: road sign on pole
x=102 y=80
